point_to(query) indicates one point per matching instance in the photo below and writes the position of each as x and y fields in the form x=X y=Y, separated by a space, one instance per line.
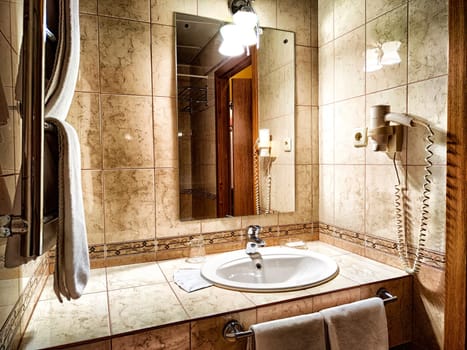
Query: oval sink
x=278 y=269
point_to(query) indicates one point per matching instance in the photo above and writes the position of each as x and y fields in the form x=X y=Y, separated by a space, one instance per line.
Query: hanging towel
x=305 y=332
x=72 y=258
x=360 y=325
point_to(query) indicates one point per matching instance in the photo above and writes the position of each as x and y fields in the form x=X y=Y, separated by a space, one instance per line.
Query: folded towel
x=190 y=280
x=305 y=332
x=72 y=258
x=357 y=326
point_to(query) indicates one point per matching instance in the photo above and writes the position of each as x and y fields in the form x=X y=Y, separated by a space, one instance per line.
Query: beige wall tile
x=172 y=337
x=348 y=15
x=326 y=194
x=349 y=60
x=326 y=73
x=125 y=57
x=428 y=39
x=7 y=138
x=129 y=205
x=88 y=74
x=349 y=197
x=5 y=57
x=348 y=115
x=93 y=205
x=315 y=192
x=7 y=194
x=326 y=134
x=163 y=61
x=267 y=13
x=221 y=224
x=427 y=101
x=303 y=198
x=303 y=131
x=295 y=16
x=168 y=223
x=165 y=132
x=207 y=333
x=84 y=116
x=5 y=20
x=137 y=10
x=127 y=136
x=436 y=223
x=88 y=6
x=314 y=135
x=376 y=8
x=217 y=9
x=389 y=27
x=162 y=10
x=314 y=77
x=380 y=196
x=303 y=75
x=325 y=21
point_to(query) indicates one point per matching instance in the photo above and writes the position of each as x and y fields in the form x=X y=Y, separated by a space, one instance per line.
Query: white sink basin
x=278 y=269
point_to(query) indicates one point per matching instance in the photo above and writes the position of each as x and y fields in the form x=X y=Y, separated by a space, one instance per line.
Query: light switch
x=287 y=144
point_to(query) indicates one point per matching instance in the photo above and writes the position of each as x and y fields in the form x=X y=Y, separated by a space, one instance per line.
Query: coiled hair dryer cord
x=402 y=245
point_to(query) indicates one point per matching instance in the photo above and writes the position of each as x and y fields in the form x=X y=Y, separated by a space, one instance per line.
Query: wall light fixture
x=383 y=54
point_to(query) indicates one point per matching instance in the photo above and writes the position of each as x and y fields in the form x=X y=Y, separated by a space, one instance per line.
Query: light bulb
x=245 y=18
x=231 y=48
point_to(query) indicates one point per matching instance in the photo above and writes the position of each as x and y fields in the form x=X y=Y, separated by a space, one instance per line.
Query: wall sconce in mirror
x=383 y=54
x=244 y=32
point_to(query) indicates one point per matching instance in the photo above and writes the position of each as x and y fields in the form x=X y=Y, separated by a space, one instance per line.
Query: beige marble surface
x=129 y=298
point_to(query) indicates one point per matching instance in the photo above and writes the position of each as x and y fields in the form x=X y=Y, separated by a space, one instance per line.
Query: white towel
x=305 y=332
x=361 y=325
x=72 y=258
x=59 y=92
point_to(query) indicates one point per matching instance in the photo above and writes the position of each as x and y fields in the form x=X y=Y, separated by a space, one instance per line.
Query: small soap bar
x=297 y=245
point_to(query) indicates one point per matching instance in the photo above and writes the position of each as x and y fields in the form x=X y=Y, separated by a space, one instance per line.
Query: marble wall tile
x=427 y=101
x=303 y=75
x=349 y=60
x=314 y=77
x=221 y=224
x=127 y=136
x=165 y=132
x=379 y=205
x=137 y=10
x=325 y=21
x=5 y=20
x=349 y=197
x=162 y=10
x=211 y=301
x=326 y=194
x=397 y=99
x=303 y=198
x=284 y=310
x=303 y=133
x=126 y=315
x=217 y=9
x=377 y=8
x=7 y=194
x=435 y=239
x=348 y=115
x=326 y=73
x=168 y=223
x=88 y=74
x=267 y=13
x=163 y=61
x=295 y=16
x=207 y=333
x=124 y=56
x=93 y=198
x=172 y=337
x=78 y=320
x=314 y=23
x=88 y=6
x=315 y=193
x=326 y=134
x=16 y=10
x=428 y=39
x=314 y=135
x=84 y=116
x=348 y=15
x=134 y=215
x=389 y=27
x=263 y=220
x=6 y=73
x=7 y=140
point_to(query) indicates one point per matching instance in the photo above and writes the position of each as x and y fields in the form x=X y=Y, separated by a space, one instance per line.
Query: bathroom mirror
x=224 y=104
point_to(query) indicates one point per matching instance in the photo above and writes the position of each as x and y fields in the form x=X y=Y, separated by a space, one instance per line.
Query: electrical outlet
x=287 y=143
x=360 y=138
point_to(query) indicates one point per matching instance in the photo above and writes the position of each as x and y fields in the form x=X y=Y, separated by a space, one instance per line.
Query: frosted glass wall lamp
x=243 y=33
x=382 y=55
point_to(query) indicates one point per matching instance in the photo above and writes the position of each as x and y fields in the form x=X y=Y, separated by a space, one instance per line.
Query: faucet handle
x=253 y=231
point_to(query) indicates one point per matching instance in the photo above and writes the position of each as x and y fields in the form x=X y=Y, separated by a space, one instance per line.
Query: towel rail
x=233 y=330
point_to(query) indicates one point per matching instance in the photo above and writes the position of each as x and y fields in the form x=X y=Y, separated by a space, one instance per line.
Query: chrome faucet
x=254 y=241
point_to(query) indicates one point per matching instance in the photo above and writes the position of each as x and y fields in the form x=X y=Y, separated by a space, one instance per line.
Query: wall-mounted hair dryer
x=383 y=136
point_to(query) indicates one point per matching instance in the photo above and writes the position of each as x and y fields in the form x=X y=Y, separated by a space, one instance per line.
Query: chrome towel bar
x=234 y=331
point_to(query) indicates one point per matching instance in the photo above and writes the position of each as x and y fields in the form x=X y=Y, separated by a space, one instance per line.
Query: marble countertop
x=128 y=298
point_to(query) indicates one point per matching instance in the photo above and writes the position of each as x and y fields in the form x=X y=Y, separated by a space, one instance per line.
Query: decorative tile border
x=21 y=312
x=430 y=258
